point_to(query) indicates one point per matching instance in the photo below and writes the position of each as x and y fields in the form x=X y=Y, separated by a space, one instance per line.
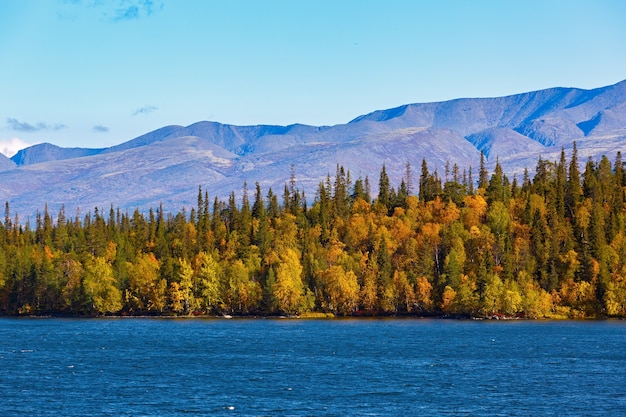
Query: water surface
x=175 y=367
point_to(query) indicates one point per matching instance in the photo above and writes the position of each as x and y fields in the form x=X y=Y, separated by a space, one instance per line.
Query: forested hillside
x=453 y=243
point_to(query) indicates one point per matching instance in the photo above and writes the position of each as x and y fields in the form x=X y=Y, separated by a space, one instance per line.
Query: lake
x=285 y=367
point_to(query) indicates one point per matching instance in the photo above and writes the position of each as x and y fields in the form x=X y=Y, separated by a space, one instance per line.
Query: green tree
x=498 y=187
x=384 y=189
x=483 y=174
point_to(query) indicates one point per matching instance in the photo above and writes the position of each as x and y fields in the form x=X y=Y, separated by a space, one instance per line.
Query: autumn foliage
x=550 y=246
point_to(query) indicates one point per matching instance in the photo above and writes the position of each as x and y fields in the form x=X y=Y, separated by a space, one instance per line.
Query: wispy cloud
x=112 y=10
x=145 y=110
x=100 y=129
x=16 y=125
x=135 y=9
x=10 y=147
x=127 y=13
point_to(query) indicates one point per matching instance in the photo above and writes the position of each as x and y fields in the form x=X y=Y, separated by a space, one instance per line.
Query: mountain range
x=168 y=165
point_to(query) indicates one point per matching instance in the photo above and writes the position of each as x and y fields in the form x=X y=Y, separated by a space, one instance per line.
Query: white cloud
x=9 y=147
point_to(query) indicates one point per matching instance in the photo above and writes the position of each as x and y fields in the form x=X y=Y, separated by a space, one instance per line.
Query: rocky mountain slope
x=166 y=166
x=6 y=163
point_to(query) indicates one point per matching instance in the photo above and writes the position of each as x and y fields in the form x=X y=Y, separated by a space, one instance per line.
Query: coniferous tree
x=540 y=180
x=430 y=184
x=202 y=221
x=359 y=190
x=401 y=196
x=7 y=217
x=423 y=193
x=273 y=210
x=258 y=208
x=617 y=198
x=560 y=186
x=408 y=177
x=384 y=189
x=483 y=174
x=590 y=186
x=573 y=192
x=340 y=194
x=496 y=189
x=368 y=191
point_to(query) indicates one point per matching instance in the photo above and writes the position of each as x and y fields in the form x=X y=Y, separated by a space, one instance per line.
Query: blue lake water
x=273 y=367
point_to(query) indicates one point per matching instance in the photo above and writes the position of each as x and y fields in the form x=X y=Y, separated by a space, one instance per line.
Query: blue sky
x=95 y=73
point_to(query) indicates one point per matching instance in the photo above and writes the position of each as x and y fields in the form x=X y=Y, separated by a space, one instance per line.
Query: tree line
x=550 y=246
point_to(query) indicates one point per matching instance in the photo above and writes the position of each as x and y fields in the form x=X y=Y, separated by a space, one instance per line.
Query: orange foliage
x=474 y=210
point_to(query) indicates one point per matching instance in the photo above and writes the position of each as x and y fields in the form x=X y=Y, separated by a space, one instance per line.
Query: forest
x=456 y=244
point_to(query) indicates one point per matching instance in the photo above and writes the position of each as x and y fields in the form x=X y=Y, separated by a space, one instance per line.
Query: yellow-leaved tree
x=241 y=294
x=146 y=292
x=341 y=289
x=289 y=290
x=209 y=273
x=182 y=298
x=101 y=287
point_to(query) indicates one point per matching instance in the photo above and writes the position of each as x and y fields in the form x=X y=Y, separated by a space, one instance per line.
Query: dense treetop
x=553 y=246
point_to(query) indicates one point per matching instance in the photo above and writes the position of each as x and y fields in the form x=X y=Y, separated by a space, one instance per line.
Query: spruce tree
x=384 y=189
x=359 y=190
x=483 y=174
x=573 y=190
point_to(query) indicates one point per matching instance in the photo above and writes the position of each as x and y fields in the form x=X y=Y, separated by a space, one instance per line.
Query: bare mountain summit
x=166 y=166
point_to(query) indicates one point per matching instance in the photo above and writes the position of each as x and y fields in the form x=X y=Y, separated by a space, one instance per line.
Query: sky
x=96 y=73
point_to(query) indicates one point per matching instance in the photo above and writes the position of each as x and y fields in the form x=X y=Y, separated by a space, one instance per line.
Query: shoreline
x=313 y=316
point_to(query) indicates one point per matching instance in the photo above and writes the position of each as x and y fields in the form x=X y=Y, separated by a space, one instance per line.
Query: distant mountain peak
x=44 y=152
x=168 y=164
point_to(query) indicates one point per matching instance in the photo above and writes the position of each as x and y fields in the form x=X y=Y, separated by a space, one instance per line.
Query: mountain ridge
x=166 y=165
